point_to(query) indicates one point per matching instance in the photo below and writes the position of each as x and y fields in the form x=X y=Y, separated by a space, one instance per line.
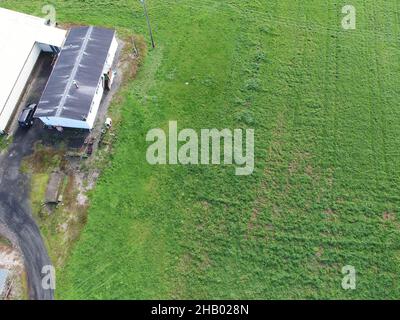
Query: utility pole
x=148 y=22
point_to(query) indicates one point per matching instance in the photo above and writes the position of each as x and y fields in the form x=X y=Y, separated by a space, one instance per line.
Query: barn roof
x=73 y=83
x=18 y=34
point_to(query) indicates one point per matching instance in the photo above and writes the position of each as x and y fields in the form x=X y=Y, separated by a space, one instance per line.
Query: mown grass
x=325 y=192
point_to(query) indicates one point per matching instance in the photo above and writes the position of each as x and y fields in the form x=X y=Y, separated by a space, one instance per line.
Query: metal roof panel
x=73 y=83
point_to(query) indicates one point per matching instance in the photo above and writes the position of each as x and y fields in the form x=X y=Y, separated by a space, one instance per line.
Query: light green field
x=326 y=190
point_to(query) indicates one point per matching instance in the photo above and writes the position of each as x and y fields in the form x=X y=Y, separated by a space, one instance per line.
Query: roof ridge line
x=71 y=79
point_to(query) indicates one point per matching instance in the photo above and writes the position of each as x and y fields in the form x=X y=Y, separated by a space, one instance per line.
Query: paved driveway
x=15 y=214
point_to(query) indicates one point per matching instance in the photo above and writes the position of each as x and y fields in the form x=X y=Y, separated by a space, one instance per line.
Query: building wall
x=95 y=105
x=100 y=88
x=9 y=108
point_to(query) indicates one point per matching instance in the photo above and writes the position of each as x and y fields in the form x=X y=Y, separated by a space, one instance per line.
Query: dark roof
x=81 y=62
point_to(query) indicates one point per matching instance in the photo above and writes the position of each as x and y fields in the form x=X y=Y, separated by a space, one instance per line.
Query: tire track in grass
x=308 y=137
x=275 y=152
x=382 y=103
x=383 y=80
x=247 y=46
x=389 y=118
x=379 y=103
x=360 y=179
x=373 y=98
x=343 y=245
x=316 y=27
x=330 y=147
x=274 y=147
x=394 y=148
x=283 y=226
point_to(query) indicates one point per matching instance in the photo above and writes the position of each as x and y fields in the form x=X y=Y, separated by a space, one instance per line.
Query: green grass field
x=326 y=190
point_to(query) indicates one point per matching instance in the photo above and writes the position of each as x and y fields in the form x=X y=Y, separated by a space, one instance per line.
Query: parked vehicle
x=25 y=119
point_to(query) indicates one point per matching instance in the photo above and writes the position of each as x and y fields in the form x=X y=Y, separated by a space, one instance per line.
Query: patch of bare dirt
x=389 y=216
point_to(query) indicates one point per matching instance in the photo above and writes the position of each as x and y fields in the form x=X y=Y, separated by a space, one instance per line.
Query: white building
x=22 y=38
x=76 y=85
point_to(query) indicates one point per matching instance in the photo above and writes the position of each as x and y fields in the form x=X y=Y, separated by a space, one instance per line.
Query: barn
x=22 y=39
x=76 y=85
